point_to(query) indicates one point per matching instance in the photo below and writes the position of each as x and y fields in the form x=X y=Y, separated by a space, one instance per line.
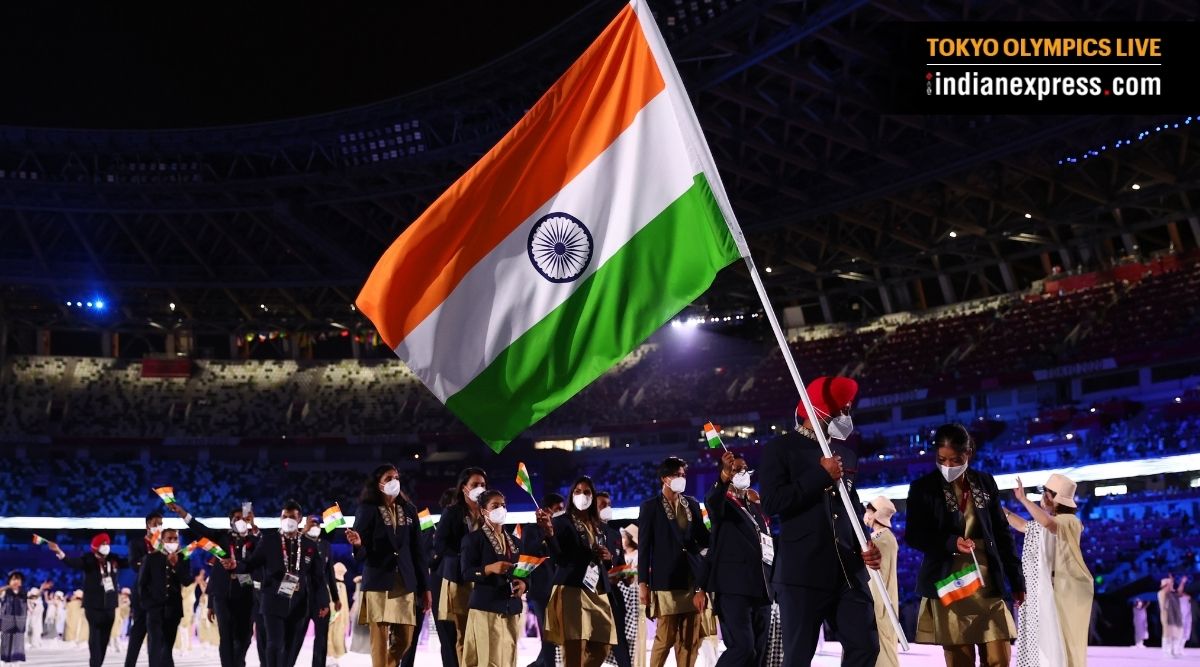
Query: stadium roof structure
x=856 y=211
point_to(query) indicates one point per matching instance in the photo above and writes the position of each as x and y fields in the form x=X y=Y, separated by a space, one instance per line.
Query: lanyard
x=104 y=566
x=742 y=506
x=287 y=563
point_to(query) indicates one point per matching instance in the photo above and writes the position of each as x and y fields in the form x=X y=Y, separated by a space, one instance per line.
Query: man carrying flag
x=596 y=219
x=137 y=553
x=231 y=596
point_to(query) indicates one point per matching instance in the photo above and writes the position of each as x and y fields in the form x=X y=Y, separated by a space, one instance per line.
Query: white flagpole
x=851 y=512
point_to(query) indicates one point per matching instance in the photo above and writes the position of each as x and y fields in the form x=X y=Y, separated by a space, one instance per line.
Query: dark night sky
x=114 y=65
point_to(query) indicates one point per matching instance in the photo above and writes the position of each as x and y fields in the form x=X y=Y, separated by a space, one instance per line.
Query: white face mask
x=741 y=481
x=952 y=473
x=170 y=547
x=104 y=549
x=497 y=515
x=473 y=494
x=314 y=532
x=678 y=484
x=241 y=527
x=581 y=501
x=288 y=525
x=606 y=514
x=841 y=427
x=392 y=488
x=558 y=514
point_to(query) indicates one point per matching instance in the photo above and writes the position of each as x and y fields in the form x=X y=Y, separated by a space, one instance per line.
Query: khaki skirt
x=574 y=614
x=491 y=639
x=395 y=606
x=454 y=600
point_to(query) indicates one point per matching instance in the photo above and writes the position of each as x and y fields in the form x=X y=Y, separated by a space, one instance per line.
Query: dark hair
x=1060 y=508
x=956 y=437
x=448 y=497
x=603 y=494
x=292 y=505
x=551 y=499
x=464 y=477
x=152 y=516
x=169 y=530
x=16 y=574
x=488 y=495
x=670 y=466
x=236 y=510
x=591 y=512
x=371 y=495
x=625 y=534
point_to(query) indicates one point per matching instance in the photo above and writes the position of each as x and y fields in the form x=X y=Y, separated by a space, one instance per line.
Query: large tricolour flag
x=585 y=229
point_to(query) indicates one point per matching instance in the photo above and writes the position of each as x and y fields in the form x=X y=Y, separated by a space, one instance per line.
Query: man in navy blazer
x=820 y=573
x=292 y=570
x=670 y=565
x=538 y=595
x=740 y=564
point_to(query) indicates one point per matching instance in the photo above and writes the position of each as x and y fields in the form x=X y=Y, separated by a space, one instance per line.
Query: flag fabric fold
x=523 y=480
x=332 y=518
x=211 y=547
x=167 y=493
x=526 y=565
x=39 y=540
x=959 y=585
x=596 y=219
x=713 y=437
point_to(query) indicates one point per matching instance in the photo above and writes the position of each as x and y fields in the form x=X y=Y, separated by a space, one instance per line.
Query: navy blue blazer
x=736 y=546
x=269 y=556
x=573 y=554
x=670 y=559
x=386 y=549
x=451 y=529
x=533 y=543
x=222 y=583
x=160 y=586
x=817 y=547
x=492 y=592
x=935 y=524
x=94 y=595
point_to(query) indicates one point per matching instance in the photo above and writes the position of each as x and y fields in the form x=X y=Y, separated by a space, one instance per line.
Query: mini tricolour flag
x=167 y=493
x=713 y=437
x=38 y=539
x=625 y=570
x=426 y=519
x=959 y=585
x=704 y=515
x=517 y=531
x=526 y=565
x=187 y=551
x=595 y=220
x=156 y=540
x=211 y=547
x=523 y=480
x=332 y=518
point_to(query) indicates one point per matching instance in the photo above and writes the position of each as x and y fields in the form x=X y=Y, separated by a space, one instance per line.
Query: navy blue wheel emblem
x=560 y=247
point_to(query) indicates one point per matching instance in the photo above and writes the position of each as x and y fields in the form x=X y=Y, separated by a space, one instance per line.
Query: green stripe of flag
x=662 y=269
x=961 y=573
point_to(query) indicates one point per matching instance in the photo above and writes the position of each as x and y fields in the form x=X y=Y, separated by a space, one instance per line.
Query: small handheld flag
x=211 y=547
x=426 y=520
x=332 y=518
x=626 y=570
x=167 y=493
x=39 y=540
x=524 y=482
x=714 y=438
x=526 y=565
x=959 y=585
x=187 y=551
x=517 y=531
x=156 y=540
x=704 y=515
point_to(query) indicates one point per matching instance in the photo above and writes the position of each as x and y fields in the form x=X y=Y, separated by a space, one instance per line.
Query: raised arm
x=1040 y=515
x=1015 y=521
x=1005 y=544
x=194 y=524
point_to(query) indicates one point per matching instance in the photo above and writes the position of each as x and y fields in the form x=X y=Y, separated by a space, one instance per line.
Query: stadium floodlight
x=953 y=234
x=1028 y=216
x=99 y=305
x=768 y=269
x=171 y=306
x=1135 y=186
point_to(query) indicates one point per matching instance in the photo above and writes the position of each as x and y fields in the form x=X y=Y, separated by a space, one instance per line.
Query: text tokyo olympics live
x=1045 y=47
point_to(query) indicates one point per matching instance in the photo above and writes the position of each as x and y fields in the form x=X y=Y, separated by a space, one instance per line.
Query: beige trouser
x=992 y=654
x=678 y=631
x=389 y=643
x=582 y=653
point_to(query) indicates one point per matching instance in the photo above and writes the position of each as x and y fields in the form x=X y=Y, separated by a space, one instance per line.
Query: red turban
x=829 y=395
x=100 y=539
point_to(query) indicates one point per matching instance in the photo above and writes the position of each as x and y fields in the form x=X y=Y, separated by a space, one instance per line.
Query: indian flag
x=39 y=540
x=525 y=565
x=714 y=438
x=625 y=570
x=187 y=551
x=597 y=218
x=704 y=516
x=332 y=517
x=156 y=540
x=426 y=519
x=211 y=547
x=167 y=493
x=517 y=531
x=959 y=585
x=523 y=479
